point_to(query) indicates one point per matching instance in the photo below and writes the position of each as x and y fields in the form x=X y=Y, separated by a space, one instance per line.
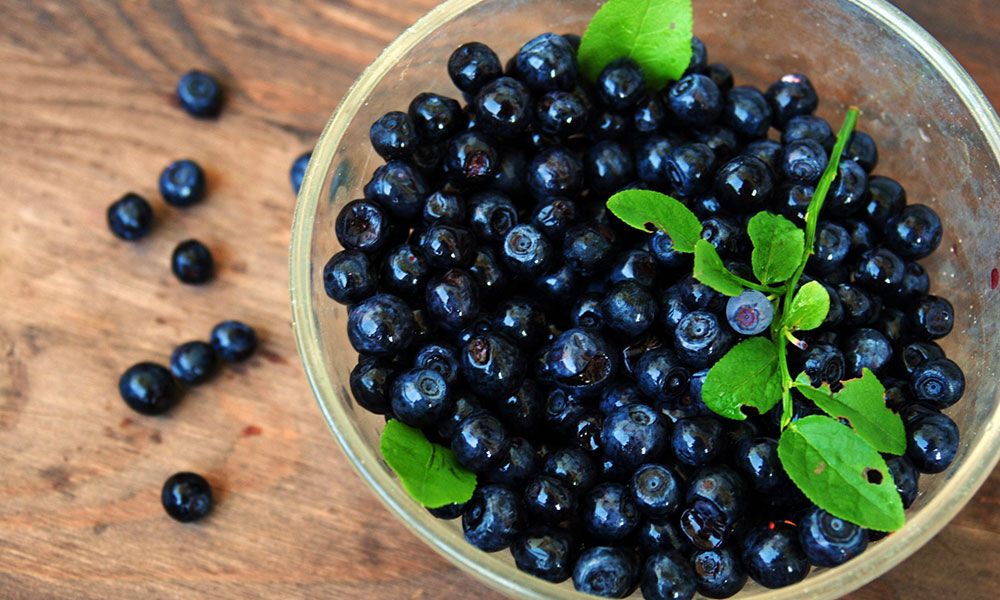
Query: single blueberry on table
x=234 y=341
x=436 y=117
x=549 y=500
x=492 y=365
x=750 y=313
x=606 y=571
x=503 y=108
x=547 y=62
x=362 y=225
x=915 y=233
x=382 y=325
x=349 y=277
x=193 y=362
x=298 y=171
x=744 y=184
x=148 y=388
x=394 y=135
x=828 y=541
x=186 y=497
x=791 y=96
x=700 y=339
x=182 y=183
x=659 y=375
x=420 y=397
x=933 y=318
x=473 y=65
x=773 y=555
x=130 y=217
x=656 y=491
x=667 y=576
x=545 y=553
x=493 y=518
x=480 y=441
x=371 y=380
x=718 y=573
x=747 y=112
x=938 y=382
x=199 y=94
x=635 y=434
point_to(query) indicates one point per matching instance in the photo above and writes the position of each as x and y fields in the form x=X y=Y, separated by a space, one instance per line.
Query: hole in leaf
x=845 y=421
x=874 y=476
x=819 y=468
x=650 y=226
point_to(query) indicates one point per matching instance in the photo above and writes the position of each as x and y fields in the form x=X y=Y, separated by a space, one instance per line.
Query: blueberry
x=493 y=518
x=792 y=201
x=656 y=491
x=492 y=365
x=621 y=84
x=448 y=512
x=915 y=283
x=199 y=94
x=186 y=497
x=700 y=340
x=605 y=571
x=549 y=500
x=718 y=573
x=191 y=262
x=420 y=397
x=791 y=96
x=893 y=325
x=828 y=541
x=521 y=320
x=473 y=65
x=581 y=361
x=747 y=112
x=618 y=395
x=609 y=126
x=696 y=441
x=653 y=535
x=915 y=354
x=444 y=246
x=634 y=434
x=768 y=151
x=651 y=159
x=880 y=270
x=523 y=410
x=860 y=307
x=404 y=272
x=662 y=248
x=699 y=56
x=744 y=184
x=667 y=576
x=436 y=117
x=148 y=388
x=480 y=441
x=440 y=358
x=588 y=248
x=193 y=362
x=695 y=100
x=803 y=161
x=362 y=225
x=348 y=277
x=463 y=405
x=933 y=318
x=906 y=478
x=718 y=491
x=915 y=233
x=503 y=107
x=371 y=380
x=849 y=190
x=609 y=167
x=866 y=349
x=833 y=245
x=689 y=168
x=516 y=466
x=704 y=528
x=608 y=512
x=397 y=187
x=298 y=171
x=823 y=363
x=861 y=149
x=428 y=158
x=453 y=299
x=491 y=216
x=629 y=309
x=649 y=114
x=130 y=217
x=182 y=183
x=545 y=553
x=863 y=238
x=660 y=375
x=471 y=158
x=560 y=113
x=809 y=127
x=726 y=234
x=698 y=296
x=381 y=325
x=750 y=313
x=526 y=251
x=510 y=173
x=886 y=199
x=721 y=140
x=558 y=287
x=938 y=382
x=773 y=555
x=394 y=135
x=554 y=217
x=721 y=75
x=547 y=62
x=554 y=172
x=573 y=466
x=757 y=459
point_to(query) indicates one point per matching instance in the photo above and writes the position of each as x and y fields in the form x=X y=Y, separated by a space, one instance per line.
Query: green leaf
x=655 y=33
x=747 y=375
x=861 y=403
x=836 y=469
x=777 y=247
x=708 y=269
x=829 y=174
x=808 y=308
x=429 y=473
x=649 y=210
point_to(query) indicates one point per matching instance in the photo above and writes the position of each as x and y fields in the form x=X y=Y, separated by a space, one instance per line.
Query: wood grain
x=85 y=115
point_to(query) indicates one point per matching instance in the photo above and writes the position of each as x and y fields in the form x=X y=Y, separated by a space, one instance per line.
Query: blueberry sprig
x=833 y=458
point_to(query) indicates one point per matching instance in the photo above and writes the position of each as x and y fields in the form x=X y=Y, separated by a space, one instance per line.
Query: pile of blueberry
x=497 y=305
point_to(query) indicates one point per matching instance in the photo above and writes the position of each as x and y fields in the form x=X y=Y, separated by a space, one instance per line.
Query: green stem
x=765 y=289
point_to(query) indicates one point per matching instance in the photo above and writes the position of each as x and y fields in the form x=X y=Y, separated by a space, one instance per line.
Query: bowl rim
x=827 y=583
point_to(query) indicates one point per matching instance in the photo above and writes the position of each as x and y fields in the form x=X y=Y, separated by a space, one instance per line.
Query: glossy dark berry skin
x=915 y=284
x=768 y=151
x=695 y=100
x=861 y=148
x=546 y=553
x=886 y=200
x=503 y=107
x=704 y=528
x=721 y=75
x=371 y=380
x=718 y=573
x=860 y=307
x=471 y=159
x=608 y=512
x=581 y=361
x=452 y=299
x=667 y=576
x=744 y=184
x=399 y=188
x=653 y=535
x=726 y=234
x=906 y=478
x=186 y=497
x=662 y=248
x=914 y=354
x=130 y=217
x=444 y=246
x=750 y=313
x=720 y=139
x=572 y=465
x=491 y=216
x=234 y=341
x=866 y=348
x=660 y=375
x=757 y=460
x=182 y=183
x=774 y=557
x=635 y=434
x=549 y=500
x=516 y=467
x=938 y=382
x=933 y=318
x=791 y=96
x=559 y=286
x=527 y=251
x=523 y=410
x=849 y=190
x=719 y=491
x=436 y=117
x=492 y=365
x=523 y=321
x=349 y=277
x=621 y=84
x=609 y=125
x=823 y=363
x=394 y=135
x=649 y=115
x=547 y=62
x=833 y=245
x=701 y=339
x=480 y=441
x=605 y=571
x=609 y=167
x=404 y=272
x=803 y=161
x=200 y=94
x=587 y=248
x=747 y=112
x=880 y=270
x=689 y=168
x=148 y=388
x=382 y=325
x=931 y=441
x=651 y=160
x=629 y=309
x=493 y=518
x=828 y=541
x=554 y=217
x=420 y=397
x=363 y=226
x=554 y=172
x=792 y=201
x=697 y=441
x=473 y=65
x=561 y=113
x=808 y=127
x=298 y=171
x=915 y=233
x=193 y=362
x=656 y=491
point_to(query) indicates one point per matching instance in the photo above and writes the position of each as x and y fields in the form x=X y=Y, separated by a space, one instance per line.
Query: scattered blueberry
x=199 y=94
x=193 y=362
x=130 y=217
x=182 y=183
x=298 y=171
x=191 y=262
x=186 y=497
x=234 y=341
x=148 y=388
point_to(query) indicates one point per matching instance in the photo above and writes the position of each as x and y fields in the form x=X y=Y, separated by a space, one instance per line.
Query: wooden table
x=85 y=115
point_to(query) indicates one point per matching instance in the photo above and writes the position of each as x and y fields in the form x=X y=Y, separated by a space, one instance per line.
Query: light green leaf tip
x=809 y=307
x=710 y=270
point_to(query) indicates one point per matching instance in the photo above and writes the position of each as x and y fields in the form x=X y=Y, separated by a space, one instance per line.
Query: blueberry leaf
x=655 y=33
x=777 y=247
x=648 y=210
x=841 y=473
x=430 y=473
x=709 y=269
x=860 y=405
x=747 y=375
x=808 y=308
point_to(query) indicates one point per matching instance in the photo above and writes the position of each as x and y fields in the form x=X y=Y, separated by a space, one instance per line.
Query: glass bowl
x=937 y=135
